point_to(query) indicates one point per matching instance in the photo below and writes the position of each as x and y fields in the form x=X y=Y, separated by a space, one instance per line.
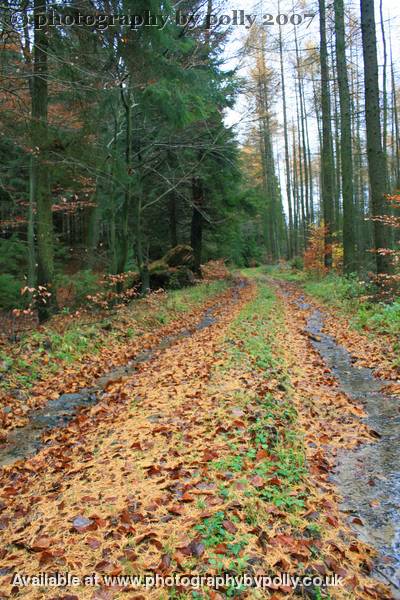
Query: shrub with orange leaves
x=315 y=251
x=388 y=285
x=314 y=254
x=215 y=269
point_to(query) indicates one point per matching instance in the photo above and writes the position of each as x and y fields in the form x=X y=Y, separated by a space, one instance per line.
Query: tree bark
x=287 y=164
x=196 y=233
x=326 y=158
x=173 y=231
x=40 y=168
x=375 y=154
x=345 y=141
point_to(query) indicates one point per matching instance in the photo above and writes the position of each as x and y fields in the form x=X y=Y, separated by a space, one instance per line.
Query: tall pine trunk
x=384 y=91
x=326 y=152
x=40 y=192
x=196 y=233
x=345 y=141
x=287 y=164
x=375 y=154
x=172 y=221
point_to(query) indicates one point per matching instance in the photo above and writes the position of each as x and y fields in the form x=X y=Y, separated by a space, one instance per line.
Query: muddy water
x=26 y=441
x=369 y=477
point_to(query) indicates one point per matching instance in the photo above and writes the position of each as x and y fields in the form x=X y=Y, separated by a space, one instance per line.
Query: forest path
x=369 y=476
x=215 y=457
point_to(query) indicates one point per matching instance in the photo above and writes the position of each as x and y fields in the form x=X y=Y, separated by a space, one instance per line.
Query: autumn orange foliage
x=388 y=283
x=214 y=270
x=314 y=254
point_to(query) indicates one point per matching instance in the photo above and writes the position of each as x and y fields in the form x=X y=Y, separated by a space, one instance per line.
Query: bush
x=383 y=318
x=336 y=290
x=13 y=258
x=72 y=290
x=10 y=292
x=297 y=263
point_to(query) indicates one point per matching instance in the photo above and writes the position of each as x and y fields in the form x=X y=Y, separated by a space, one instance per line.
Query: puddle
x=27 y=440
x=369 y=477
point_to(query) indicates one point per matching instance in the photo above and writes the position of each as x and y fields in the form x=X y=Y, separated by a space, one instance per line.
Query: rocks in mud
x=180 y=256
x=174 y=270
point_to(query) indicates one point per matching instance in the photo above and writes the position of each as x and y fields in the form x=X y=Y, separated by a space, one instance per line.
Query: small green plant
x=314 y=529
x=213 y=530
x=229 y=463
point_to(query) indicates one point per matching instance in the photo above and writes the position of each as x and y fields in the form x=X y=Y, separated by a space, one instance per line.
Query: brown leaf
x=209 y=455
x=195 y=548
x=104 y=566
x=274 y=481
x=45 y=558
x=165 y=562
x=40 y=544
x=82 y=524
x=175 y=510
x=94 y=543
x=187 y=497
x=153 y=470
x=130 y=554
x=229 y=526
x=102 y=594
x=261 y=454
x=332 y=521
x=257 y=481
x=126 y=517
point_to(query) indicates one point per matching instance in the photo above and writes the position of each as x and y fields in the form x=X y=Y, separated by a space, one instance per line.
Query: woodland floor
x=213 y=457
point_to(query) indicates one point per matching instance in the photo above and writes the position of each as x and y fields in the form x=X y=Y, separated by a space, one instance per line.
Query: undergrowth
x=70 y=338
x=351 y=296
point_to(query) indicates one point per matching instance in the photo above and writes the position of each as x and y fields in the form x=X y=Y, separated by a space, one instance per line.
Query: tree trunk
x=123 y=247
x=395 y=123
x=287 y=164
x=31 y=228
x=384 y=92
x=326 y=153
x=302 y=145
x=345 y=141
x=376 y=158
x=196 y=234
x=173 y=231
x=301 y=184
x=39 y=172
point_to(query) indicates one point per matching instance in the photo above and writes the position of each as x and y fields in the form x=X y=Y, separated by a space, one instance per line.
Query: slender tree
x=285 y=134
x=326 y=152
x=40 y=192
x=345 y=140
x=375 y=154
x=384 y=90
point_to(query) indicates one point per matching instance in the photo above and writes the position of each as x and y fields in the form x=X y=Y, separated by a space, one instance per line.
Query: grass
x=258 y=328
x=351 y=296
x=185 y=299
x=252 y=346
x=257 y=347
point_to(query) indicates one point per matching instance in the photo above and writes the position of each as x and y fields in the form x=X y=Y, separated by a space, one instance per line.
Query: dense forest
x=120 y=141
